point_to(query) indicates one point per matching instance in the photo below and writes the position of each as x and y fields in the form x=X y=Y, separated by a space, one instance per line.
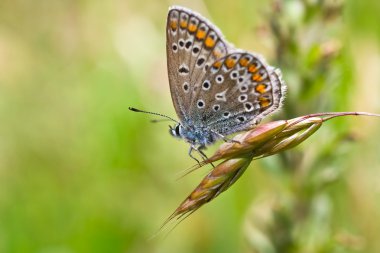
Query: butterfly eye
x=177 y=130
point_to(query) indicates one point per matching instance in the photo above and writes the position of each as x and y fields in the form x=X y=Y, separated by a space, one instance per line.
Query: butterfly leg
x=204 y=156
x=191 y=149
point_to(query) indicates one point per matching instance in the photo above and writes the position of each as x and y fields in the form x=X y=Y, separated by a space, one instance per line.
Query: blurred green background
x=81 y=173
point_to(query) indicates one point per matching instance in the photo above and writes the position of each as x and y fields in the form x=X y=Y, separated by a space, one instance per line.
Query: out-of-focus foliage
x=81 y=173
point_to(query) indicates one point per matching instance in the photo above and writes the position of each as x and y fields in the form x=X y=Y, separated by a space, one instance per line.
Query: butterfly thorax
x=195 y=135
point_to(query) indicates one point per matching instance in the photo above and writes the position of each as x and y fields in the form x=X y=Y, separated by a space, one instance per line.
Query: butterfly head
x=192 y=134
x=176 y=131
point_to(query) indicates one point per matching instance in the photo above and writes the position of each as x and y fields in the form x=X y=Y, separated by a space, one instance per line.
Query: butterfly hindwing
x=192 y=45
x=237 y=92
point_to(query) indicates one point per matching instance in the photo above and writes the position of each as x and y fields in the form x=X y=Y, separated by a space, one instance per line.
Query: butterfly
x=217 y=89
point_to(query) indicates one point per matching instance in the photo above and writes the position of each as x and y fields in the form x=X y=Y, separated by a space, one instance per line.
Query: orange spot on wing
x=264 y=102
x=183 y=24
x=257 y=77
x=173 y=24
x=252 y=68
x=261 y=88
x=230 y=63
x=192 y=28
x=201 y=34
x=217 y=64
x=209 y=42
x=217 y=53
x=243 y=62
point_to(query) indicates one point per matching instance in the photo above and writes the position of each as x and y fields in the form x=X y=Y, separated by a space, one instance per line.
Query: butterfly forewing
x=193 y=45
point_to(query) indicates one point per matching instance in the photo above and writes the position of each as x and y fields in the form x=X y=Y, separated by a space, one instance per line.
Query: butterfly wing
x=192 y=45
x=237 y=92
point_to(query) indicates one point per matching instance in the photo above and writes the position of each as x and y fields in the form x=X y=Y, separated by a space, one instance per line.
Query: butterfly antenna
x=153 y=113
x=159 y=120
